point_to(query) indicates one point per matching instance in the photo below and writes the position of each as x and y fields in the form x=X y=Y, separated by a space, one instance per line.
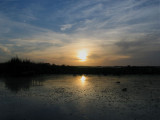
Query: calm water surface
x=92 y=97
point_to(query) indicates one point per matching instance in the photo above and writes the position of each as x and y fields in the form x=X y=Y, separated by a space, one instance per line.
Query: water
x=92 y=97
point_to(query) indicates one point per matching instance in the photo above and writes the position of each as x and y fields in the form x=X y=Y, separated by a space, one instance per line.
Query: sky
x=106 y=32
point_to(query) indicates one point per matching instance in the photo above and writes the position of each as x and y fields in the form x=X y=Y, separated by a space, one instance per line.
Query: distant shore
x=19 y=67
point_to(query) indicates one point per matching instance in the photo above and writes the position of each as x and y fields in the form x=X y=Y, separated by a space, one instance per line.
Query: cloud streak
x=65 y=27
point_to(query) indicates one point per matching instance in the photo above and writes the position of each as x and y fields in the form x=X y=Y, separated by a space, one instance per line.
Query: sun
x=82 y=55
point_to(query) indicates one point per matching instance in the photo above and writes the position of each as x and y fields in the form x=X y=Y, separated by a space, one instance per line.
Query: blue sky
x=113 y=32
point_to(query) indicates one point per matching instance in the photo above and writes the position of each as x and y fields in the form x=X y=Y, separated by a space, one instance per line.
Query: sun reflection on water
x=83 y=78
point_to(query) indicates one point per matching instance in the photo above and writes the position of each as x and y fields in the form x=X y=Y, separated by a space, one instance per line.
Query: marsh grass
x=24 y=67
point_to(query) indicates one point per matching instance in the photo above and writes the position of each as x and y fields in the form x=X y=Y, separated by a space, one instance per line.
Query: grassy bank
x=20 y=67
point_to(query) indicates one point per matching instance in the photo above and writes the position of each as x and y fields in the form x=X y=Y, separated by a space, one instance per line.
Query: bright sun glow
x=82 y=55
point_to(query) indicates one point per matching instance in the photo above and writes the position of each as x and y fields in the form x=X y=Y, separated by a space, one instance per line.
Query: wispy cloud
x=65 y=27
x=4 y=49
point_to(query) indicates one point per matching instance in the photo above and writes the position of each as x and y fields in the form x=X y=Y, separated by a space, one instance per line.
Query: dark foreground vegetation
x=19 y=67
